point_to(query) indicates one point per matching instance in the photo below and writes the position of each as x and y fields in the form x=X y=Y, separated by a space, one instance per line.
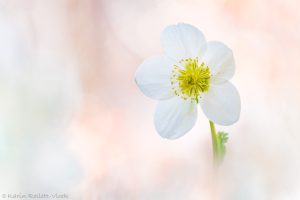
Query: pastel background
x=73 y=121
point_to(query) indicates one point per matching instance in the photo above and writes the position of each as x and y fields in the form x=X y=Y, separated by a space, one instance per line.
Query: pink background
x=73 y=121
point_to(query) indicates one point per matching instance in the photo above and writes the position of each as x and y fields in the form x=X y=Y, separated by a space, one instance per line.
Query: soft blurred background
x=73 y=121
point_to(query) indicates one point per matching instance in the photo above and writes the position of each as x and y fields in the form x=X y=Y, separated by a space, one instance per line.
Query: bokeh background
x=73 y=121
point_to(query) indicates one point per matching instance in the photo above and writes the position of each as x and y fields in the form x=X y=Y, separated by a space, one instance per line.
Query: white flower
x=191 y=72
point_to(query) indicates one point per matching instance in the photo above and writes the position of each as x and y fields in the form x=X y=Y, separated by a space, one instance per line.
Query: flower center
x=189 y=79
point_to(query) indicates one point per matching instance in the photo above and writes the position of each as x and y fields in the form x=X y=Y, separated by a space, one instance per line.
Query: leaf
x=222 y=140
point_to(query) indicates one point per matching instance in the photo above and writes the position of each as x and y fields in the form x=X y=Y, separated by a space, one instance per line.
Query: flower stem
x=214 y=142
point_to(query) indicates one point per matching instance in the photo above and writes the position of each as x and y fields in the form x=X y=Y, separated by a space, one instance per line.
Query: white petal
x=182 y=41
x=221 y=104
x=220 y=60
x=174 y=117
x=153 y=77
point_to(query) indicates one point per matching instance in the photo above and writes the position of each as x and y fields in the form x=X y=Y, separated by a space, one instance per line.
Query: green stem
x=214 y=142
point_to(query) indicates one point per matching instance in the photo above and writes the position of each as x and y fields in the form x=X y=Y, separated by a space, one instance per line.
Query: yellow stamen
x=190 y=80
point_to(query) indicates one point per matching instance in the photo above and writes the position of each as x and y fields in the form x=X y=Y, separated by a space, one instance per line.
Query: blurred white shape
x=53 y=167
x=39 y=92
x=11 y=46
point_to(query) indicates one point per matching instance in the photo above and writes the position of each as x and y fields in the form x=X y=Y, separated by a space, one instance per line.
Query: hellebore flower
x=191 y=72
